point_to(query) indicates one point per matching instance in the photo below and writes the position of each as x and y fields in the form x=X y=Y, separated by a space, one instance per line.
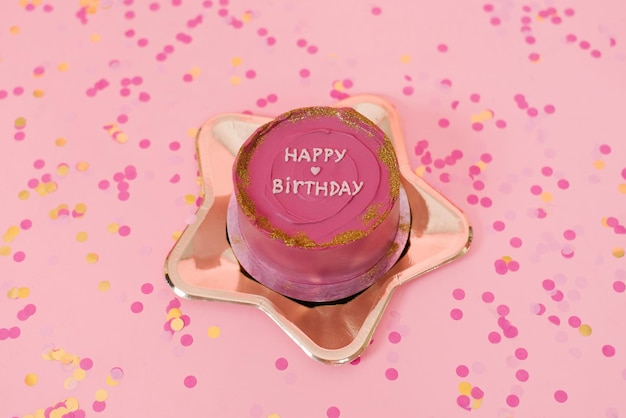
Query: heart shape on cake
x=316 y=170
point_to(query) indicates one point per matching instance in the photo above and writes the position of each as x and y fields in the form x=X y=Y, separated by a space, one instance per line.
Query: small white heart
x=315 y=170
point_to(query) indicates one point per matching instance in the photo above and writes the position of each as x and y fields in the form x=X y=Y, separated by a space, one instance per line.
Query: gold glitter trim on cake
x=350 y=118
x=371 y=213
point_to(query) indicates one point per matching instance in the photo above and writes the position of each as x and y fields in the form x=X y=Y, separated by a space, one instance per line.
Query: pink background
x=525 y=99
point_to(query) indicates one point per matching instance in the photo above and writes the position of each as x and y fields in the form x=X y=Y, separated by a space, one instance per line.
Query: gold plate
x=201 y=265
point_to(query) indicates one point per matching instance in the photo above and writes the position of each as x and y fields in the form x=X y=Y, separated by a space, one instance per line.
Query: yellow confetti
x=80 y=208
x=101 y=395
x=66 y=358
x=405 y=58
x=274 y=415
x=113 y=228
x=23 y=195
x=49 y=187
x=177 y=324
x=38 y=93
x=120 y=137
x=477 y=403
x=482 y=165
x=622 y=188
x=173 y=313
x=190 y=199
x=176 y=235
x=82 y=166
x=546 y=197
x=110 y=381
x=338 y=85
x=507 y=259
x=618 y=252
x=23 y=292
x=71 y=404
x=465 y=388
x=195 y=72
x=420 y=171
x=104 y=286
x=598 y=164
x=14 y=30
x=192 y=132
x=63 y=169
x=236 y=61
x=5 y=250
x=92 y=258
x=60 y=141
x=95 y=37
x=31 y=379
x=235 y=80
x=214 y=331
x=13 y=293
x=20 y=122
x=79 y=374
x=63 y=66
x=81 y=236
x=584 y=330
x=70 y=383
x=247 y=17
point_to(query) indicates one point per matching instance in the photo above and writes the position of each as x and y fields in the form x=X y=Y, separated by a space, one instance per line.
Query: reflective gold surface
x=202 y=266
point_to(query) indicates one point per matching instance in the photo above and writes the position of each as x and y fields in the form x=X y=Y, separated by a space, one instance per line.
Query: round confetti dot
x=136 y=307
x=442 y=48
x=177 y=324
x=391 y=374
x=618 y=252
x=494 y=337
x=147 y=288
x=124 y=230
x=116 y=373
x=101 y=395
x=281 y=363
x=477 y=393
x=19 y=256
x=574 y=321
x=608 y=350
x=98 y=406
x=462 y=370
x=456 y=314
x=86 y=363
x=458 y=294
x=104 y=286
x=521 y=375
x=91 y=258
x=81 y=236
x=498 y=226
x=443 y=123
x=333 y=412
x=560 y=396
x=463 y=401
x=521 y=353
x=186 y=340
x=31 y=379
x=190 y=381
x=394 y=337
x=488 y=297
x=512 y=400
x=515 y=242
x=619 y=286
x=376 y=11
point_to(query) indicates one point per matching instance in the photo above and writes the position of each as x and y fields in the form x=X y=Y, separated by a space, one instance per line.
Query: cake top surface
x=317 y=177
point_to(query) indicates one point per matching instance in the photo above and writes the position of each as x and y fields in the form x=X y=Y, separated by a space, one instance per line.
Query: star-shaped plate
x=201 y=265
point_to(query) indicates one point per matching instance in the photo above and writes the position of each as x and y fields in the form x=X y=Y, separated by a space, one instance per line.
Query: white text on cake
x=325 y=154
x=317 y=188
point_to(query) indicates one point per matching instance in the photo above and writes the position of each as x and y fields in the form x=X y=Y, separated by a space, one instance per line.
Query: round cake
x=317 y=202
